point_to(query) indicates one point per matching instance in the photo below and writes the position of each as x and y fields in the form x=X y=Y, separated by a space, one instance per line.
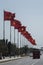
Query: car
x=36 y=54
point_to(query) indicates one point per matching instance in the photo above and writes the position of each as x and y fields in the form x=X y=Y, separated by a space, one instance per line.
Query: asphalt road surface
x=25 y=61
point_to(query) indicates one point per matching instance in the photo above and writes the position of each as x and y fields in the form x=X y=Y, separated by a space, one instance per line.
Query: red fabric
x=28 y=37
x=8 y=15
x=26 y=34
x=32 y=41
x=16 y=23
x=21 y=29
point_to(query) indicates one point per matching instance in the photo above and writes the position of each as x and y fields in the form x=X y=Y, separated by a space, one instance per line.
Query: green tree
x=25 y=49
x=9 y=48
x=13 y=49
x=3 y=48
x=17 y=51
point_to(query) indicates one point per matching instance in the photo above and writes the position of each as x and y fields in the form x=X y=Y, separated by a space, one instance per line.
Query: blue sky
x=29 y=12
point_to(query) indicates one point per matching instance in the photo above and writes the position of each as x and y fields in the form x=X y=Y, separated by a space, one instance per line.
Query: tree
x=17 y=51
x=9 y=48
x=13 y=49
x=25 y=49
x=3 y=48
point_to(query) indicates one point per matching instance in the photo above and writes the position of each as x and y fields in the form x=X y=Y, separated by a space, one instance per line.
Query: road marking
x=36 y=62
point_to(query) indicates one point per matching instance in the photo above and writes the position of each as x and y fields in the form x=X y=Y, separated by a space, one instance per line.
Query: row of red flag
x=17 y=25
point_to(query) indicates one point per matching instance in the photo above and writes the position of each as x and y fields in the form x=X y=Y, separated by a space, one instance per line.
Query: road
x=25 y=61
x=40 y=62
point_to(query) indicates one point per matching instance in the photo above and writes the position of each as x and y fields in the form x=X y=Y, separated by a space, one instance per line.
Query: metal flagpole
x=3 y=28
x=3 y=35
x=14 y=35
x=20 y=44
x=20 y=40
x=24 y=40
x=10 y=31
x=17 y=38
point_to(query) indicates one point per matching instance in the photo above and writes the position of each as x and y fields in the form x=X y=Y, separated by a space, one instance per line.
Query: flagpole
x=14 y=35
x=10 y=31
x=22 y=40
x=3 y=28
x=20 y=44
x=18 y=38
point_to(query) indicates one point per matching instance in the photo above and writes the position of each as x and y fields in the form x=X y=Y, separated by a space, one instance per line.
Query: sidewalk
x=9 y=59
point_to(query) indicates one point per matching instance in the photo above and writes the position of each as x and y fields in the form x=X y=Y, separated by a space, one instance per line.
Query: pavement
x=26 y=60
x=9 y=59
x=23 y=61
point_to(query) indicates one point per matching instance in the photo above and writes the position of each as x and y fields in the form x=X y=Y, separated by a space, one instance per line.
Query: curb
x=10 y=60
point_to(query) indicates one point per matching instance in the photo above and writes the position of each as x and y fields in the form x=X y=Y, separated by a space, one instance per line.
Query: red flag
x=32 y=41
x=26 y=34
x=8 y=15
x=28 y=37
x=16 y=23
x=22 y=28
